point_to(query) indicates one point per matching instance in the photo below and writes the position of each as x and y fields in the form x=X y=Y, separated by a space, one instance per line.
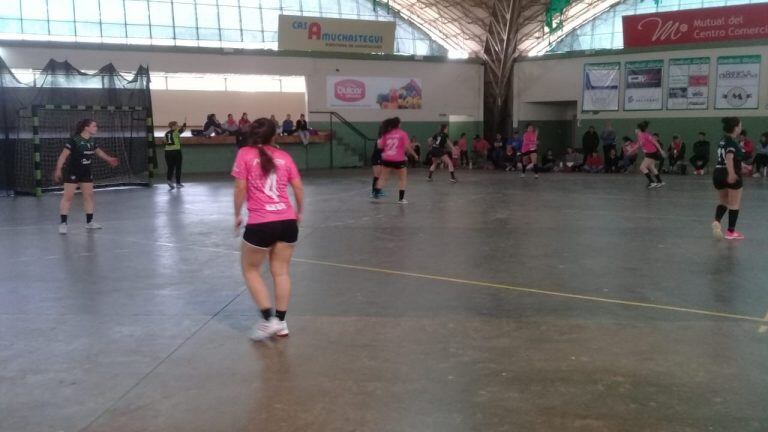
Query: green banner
x=689 y=61
x=750 y=59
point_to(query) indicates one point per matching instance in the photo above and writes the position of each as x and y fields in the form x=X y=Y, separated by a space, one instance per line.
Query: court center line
x=763 y=321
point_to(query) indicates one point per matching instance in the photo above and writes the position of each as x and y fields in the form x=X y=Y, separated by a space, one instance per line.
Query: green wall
x=349 y=150
x=555 y=135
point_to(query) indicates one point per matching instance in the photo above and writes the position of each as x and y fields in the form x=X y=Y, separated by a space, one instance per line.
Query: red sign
x=349 y=90
x=696 y=25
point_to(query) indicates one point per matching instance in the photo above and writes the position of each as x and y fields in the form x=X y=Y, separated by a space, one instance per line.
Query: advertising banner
x=642 y=88
x=374 y=92
x=688 y=84
x=738 y=82
x=336 y=35
x=601 y=87
x=716 y=24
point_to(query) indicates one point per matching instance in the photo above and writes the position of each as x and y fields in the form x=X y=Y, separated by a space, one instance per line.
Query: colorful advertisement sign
x=738 y=82
x=601 y=87
x=374 y=92
x=643 y=86
x=727 y=23
x=336 y=35
x=688 y=84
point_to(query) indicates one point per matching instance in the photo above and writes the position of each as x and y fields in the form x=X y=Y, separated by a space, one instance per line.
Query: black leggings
x=761 y=161
x=173 y=161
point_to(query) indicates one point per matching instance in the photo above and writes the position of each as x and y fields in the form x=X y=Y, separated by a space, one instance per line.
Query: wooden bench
x=321 y=137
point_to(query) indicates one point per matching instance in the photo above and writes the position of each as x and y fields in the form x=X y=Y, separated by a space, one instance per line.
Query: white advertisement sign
x=688 y=86
x=374 y=92
x=601 y=87
x=738 y=82
x=336 y=35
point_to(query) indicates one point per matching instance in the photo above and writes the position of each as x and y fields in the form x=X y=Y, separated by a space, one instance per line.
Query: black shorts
x=528 y=153
x=395 y=165
x=265 y=235
x=655 y=156
x=437 y=153
x=376 y=158
x=79 y=175
x=720 y=180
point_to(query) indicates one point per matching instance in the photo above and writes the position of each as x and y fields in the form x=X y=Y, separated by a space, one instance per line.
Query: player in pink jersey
x=530 y=149
x=653 y=154
x=395 y=146
x=262 y=174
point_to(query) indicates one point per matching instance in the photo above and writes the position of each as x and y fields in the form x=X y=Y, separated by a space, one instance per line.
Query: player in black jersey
x=441 y=150
x=727 y=179
x=78 y=155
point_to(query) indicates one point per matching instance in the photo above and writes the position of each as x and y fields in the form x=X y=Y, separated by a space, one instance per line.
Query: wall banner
x=688 y=84
x=738 y=82
x=601 y=87
x=643 y=87
x=374 y=92
x=336 y=35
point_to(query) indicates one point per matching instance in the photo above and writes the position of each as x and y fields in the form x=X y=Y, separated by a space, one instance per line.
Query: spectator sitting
x=573 y=160
x=700 y=157
x=244 y=123
x=548 y=162
x=288 y=125
x=629 y=151
x=761 y=157
x=463 y=154
x=510 y=158
x=612 y=163
x=212 y=126
x=676 y=155
x=302 y=128
x=428 y=159
x=479 y=149
x=231 y=125
x=748 y=146
x=594 y=163
x=498 y=151
x=278 y=126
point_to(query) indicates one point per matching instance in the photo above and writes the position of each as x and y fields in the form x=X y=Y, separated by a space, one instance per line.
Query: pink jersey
x=530 y=141
x=268 y=199
x=394 y=145
x=646 y=142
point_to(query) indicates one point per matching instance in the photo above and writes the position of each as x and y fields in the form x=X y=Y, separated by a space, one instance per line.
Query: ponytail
x=261 y=133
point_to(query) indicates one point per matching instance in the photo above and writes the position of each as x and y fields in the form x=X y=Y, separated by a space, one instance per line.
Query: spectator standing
x=589 y=143
x=463 y=153
x=608 y=138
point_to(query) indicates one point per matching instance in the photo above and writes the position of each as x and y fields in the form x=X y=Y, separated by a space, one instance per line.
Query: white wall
x=561 y=80
x=449 y=88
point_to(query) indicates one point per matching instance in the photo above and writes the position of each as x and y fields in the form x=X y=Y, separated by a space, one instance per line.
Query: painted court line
x=764 y=321
x=764 y=328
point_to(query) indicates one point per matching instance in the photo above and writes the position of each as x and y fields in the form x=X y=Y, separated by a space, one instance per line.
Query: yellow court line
x=763 y=321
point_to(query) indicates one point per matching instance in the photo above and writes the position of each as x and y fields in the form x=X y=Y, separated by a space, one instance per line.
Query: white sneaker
x=453 y=180
x=179 y=185
x=717 y=230
x=756 y=175
x=282 y=329
x=402 y=201
x=429 y=179
x=653 y=185
x=93 y=225
x=265 y=329
x=662 y=184
x=170 y=185
x=62 y=228
x=522 y=175
x=535 y=176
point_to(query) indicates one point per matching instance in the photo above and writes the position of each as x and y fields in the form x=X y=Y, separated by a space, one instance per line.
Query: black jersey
x=730 y=145
x=82 y=152
x=440 y=141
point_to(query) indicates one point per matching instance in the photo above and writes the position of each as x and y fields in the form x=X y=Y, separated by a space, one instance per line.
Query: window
x=215 y=23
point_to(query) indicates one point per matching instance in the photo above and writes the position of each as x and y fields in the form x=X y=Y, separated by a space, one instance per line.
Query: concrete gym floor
x=571 y=303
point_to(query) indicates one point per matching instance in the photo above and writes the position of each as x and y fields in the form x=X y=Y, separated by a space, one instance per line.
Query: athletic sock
x=720 y=212
x=648 y=176
x=375 y=180
x=267 y=314
x=453 y=175
x=430 y=173
x=88 y=217
x=658 y=178
x=402 y=194
x=535 y=169
x=280 y=314
x=63 y=218
x=733 y=216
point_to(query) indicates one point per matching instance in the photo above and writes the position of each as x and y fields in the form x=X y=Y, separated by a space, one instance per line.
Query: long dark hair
x=82 y=124
x=729 y=124
x=389 y=125
x=260 y=133
x=643 y=126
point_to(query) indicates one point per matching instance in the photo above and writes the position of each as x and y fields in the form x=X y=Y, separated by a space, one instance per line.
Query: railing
x=365 y=139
